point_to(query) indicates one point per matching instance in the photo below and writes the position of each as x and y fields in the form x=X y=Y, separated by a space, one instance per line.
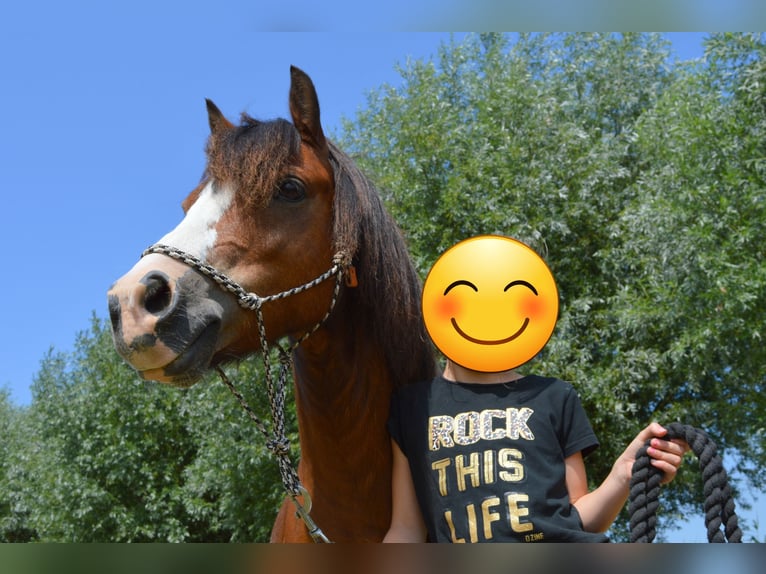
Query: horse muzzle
x=166 y=320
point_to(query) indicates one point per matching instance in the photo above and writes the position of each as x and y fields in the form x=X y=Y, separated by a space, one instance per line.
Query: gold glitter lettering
x=516 y=512
x=467 y=428
x=516 y=423
x=473 y=532
x=440 y=429
x=441 y=467
x=471 y=470
x=489 y=517
x=489 y=467
x=508 y=459
x=485 y=424
x=451 y=524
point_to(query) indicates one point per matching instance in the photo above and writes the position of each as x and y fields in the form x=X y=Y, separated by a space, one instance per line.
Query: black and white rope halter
x=276 y=439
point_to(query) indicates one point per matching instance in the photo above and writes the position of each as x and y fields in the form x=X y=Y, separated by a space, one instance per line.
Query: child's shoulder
x=533 y=379
x=547 y=385
x=414 y=388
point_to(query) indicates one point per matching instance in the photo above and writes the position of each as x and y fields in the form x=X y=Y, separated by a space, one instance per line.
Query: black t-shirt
x=487 y=461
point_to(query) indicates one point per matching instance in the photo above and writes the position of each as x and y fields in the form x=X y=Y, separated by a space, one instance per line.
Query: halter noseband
x=248 y=299
x=276 y=440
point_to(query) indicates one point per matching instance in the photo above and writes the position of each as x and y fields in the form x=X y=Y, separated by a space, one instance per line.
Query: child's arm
x=599 y=508
x=406 y=521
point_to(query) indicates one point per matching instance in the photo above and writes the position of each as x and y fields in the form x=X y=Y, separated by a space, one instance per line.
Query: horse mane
x=388 y=294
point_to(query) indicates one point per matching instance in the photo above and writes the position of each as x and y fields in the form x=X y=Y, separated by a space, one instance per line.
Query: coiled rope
x=645 y=489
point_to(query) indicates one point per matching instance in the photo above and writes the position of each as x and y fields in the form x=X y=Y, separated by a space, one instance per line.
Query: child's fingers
x=668 y=470
x=670 y=446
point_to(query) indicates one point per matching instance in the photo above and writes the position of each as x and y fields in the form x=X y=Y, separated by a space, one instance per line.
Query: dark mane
x=253 y=156
x=389 y=287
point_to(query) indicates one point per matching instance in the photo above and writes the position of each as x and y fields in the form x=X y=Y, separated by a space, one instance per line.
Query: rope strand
x=719 y=503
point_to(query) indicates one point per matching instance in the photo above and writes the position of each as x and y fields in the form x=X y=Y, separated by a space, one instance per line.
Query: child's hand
x=666 y=455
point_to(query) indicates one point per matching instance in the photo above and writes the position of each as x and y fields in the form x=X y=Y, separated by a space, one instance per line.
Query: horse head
x=262 y=215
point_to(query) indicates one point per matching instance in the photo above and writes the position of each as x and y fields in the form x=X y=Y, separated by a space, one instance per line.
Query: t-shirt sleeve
x=577 y=433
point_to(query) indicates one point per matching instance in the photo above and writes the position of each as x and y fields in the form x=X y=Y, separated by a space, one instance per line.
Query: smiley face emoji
x=490 y=303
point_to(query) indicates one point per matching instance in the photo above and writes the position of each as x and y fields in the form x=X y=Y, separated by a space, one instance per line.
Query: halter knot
x=284 y=358
x=251 y=301
x=344 y=264
x=342 y=260
x=279 y=446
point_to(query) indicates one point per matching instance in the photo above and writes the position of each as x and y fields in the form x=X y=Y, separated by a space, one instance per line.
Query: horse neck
x=340 y=378
x=342 y=394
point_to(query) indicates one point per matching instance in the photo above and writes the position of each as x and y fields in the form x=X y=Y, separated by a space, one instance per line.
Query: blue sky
x=104 y=125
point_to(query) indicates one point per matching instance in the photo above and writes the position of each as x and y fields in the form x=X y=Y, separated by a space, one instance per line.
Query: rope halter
x=276 y=440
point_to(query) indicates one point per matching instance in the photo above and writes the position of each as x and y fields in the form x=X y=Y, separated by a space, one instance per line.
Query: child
x=485 y=454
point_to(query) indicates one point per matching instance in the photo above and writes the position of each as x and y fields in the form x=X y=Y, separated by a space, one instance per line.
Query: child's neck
x=456 y=373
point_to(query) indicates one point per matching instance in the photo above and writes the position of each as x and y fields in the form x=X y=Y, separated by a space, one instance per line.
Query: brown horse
x=276 y=203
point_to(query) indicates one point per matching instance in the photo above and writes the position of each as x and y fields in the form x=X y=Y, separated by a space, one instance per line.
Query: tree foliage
x=640 y=181
x=108 y=458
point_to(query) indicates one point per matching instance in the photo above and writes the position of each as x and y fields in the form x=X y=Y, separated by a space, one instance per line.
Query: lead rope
x=276 y=440
x=645 y=488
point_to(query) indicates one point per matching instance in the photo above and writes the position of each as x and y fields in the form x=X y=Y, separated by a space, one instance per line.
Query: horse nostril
x=115 y=313
x=158 y=294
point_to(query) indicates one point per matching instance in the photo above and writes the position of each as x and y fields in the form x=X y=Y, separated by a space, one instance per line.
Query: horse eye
x=291 y=190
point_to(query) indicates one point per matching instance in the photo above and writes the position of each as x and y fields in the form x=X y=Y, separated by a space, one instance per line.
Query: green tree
x=233 y=484
x=688 y=307
x=641 y=185
x=13 y=515
x=111 y=458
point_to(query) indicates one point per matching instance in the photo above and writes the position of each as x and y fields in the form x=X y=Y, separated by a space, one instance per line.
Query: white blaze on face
x=196 y=234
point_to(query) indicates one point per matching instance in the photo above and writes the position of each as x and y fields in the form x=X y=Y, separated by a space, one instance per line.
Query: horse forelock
x=253 y=157
x=389 y=287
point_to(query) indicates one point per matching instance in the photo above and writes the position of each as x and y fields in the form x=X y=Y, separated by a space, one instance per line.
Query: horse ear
x=218 y=123
x=304 y=108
